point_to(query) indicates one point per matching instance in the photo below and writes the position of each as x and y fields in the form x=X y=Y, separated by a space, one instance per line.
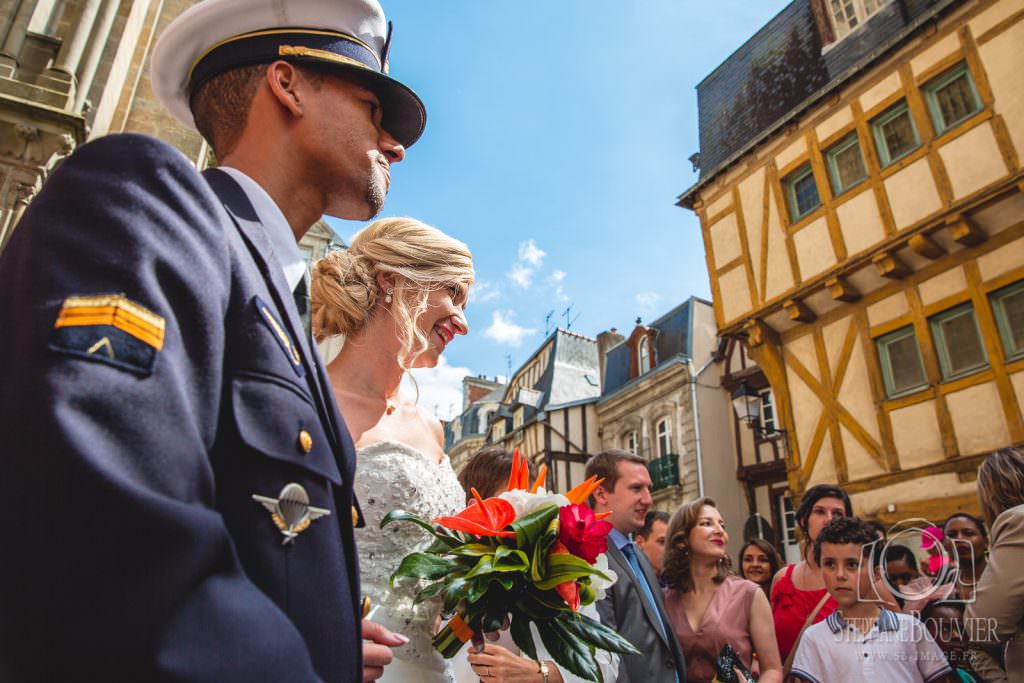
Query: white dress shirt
x=282 y=239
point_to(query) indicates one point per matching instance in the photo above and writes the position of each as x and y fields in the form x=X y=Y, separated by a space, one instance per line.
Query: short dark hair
x=895 y=553
x=966 y=515
x=488 y=471
x=605 y=465
x=844 y=530
x=878 y=527
x=650 y=518
x=929 y=609
x=813 y=495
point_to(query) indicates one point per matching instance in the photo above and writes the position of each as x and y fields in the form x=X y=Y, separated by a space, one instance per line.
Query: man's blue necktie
x=629 y=550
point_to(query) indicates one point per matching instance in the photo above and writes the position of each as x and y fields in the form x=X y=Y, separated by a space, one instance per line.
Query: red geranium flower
x=582 y=532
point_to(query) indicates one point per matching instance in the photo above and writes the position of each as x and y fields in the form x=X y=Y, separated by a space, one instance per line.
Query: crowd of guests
x=855 y=607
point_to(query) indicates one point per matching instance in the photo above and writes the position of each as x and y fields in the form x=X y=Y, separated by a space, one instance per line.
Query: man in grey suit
x=634 y=605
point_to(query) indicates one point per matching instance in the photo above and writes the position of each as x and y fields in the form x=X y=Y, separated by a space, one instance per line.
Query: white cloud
x=504 y=331
x=530 y=259
x=558 y=275
x=530 y=253
x=484 y=291
x=440 y=388
x=521 y=275
x=647 y=300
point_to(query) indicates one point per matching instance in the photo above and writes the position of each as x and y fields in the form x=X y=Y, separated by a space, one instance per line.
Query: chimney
x=605 y=341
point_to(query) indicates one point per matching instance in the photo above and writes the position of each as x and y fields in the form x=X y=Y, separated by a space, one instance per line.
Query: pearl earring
x=387 y=295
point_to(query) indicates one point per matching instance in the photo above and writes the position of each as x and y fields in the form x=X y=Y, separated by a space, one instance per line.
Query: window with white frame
x=664 y=432
x=958 y=341
x=643 y=353
x=1008 y=307
x=849 y=14
x=630 y=442
x=767 y=410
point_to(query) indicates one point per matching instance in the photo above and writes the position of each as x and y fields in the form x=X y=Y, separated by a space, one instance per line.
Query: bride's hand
x=377 y=644
x=496 y=664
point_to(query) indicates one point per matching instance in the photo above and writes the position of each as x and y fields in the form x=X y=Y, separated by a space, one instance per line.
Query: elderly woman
x=997 y=613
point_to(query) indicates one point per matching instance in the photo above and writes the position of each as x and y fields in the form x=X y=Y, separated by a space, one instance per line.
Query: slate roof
x=672 y=339
x=781 y=71
x=571 y=373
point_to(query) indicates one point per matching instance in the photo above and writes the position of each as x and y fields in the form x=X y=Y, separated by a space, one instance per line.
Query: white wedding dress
x=394 y=476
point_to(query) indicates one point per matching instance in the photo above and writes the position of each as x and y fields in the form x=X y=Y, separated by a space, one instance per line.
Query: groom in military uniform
x=176 y=477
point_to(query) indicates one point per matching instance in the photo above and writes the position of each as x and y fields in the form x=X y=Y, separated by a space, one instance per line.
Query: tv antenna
x=547 y=322
x=508 y=360
x=569 y=317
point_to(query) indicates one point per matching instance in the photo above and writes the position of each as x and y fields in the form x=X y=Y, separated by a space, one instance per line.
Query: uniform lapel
x=253 y=232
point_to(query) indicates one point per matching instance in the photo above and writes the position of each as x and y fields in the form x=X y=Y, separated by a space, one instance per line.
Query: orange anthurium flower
x=583 y=491
x=482 y=517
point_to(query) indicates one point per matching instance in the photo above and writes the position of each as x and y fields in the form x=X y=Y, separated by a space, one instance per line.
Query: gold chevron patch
x=115 y=310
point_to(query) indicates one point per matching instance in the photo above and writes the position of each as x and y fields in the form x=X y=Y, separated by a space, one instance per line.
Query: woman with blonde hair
x=997 y=613
x=710 y=608
x=396 y=297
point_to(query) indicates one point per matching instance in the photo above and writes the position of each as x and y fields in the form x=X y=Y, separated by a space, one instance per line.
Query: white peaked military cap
x=349 y=36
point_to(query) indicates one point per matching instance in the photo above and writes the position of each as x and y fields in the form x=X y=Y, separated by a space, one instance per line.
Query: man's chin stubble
x=375 y=195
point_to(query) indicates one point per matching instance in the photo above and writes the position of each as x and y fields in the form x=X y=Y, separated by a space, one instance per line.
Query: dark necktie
x=302 y=303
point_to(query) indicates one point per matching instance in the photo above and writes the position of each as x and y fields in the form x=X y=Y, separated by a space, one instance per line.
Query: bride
x=397 y=297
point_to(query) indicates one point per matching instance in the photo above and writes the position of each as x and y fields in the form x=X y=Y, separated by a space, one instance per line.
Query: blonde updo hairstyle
x=345 y=292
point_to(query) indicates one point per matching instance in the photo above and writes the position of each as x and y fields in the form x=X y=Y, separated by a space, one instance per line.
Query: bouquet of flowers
x=524 y=556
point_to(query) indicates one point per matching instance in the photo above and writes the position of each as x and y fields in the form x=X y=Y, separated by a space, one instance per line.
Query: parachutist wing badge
x=290 y=511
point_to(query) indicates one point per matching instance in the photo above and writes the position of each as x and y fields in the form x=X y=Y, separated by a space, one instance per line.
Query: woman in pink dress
x=707 y=606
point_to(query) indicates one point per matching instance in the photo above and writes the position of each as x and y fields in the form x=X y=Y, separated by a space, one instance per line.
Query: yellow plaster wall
x=814 y=250
x=824 y=471
x=915 y=431
x=999 y=261
x=752 y=202
x=860 y=222
x=791 y=153
x=874 y=95
x=888 y=309
x=941 y=48
x=780 y=273
x=1017 y=379
x=806 y=411
x=994 y=15
x=735 y=293
x=719 y=205
x=834 y=334
x=1002 y=57
x=972 y=160
x=725 y=240
x=978 y=418
x=834 y=123
x=859 y=465
x=912 y=194
x=909 y=491
x=855 y=392
x=942 y=285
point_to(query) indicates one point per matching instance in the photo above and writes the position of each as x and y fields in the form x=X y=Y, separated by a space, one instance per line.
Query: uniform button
x=355 y=516
x=305 y=441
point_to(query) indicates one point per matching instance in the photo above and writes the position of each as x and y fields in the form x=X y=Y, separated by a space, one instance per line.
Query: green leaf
x=570 y=654
x=510 y=560
x=542 y=550
x=595 y=633
x=564 y=567
x=423 y=566
x=458 y=589
x=431 y=591
x=539 y=606
x=472 y=550
x=403 y=516
x=523 y=636
x=530 y=527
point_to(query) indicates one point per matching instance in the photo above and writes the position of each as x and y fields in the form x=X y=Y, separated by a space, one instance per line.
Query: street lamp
x=746 y=401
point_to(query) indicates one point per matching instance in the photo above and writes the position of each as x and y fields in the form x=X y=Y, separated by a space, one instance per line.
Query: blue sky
x=557 y=140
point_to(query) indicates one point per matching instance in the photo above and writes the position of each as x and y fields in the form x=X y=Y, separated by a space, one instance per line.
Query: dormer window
x=643 y=354
x=849 y=14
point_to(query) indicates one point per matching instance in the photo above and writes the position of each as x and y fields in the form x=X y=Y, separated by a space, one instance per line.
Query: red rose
x=582 y=532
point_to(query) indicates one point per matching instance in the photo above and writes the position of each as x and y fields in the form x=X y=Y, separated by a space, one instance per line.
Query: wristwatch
x=543 y=670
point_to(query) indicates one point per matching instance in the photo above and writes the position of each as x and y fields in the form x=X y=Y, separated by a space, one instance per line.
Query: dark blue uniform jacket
x=133 y=549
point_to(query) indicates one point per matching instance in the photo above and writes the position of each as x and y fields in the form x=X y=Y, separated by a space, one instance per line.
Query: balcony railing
x=664 y=471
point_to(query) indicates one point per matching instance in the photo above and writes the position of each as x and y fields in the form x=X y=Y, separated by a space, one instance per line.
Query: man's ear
x=284 y=82
x=601 y=496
